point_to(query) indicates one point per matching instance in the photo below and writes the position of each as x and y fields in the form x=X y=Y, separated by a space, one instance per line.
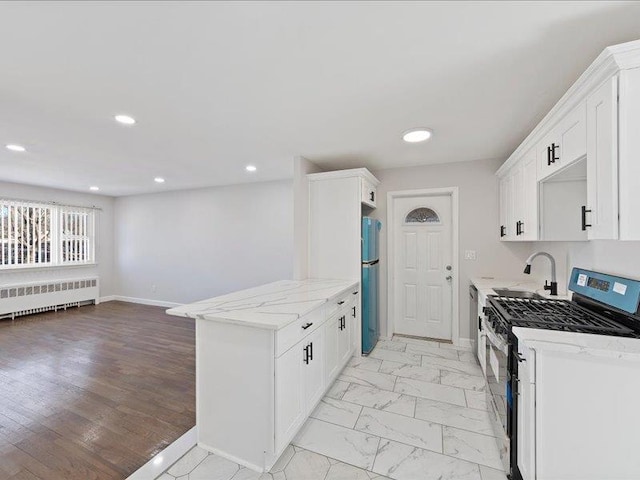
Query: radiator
x=35 y=297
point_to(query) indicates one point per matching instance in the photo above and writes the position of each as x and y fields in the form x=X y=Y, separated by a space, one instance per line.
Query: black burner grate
x=552 y=314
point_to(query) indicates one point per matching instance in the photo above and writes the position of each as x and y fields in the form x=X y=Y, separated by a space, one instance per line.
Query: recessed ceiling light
x=16 y=148
x=158 y=180
x=125 y=119
x=250 y=168
x=416 y=135
x=94 y=188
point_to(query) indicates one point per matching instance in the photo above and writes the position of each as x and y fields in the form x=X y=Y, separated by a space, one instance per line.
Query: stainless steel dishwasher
x=473 y=315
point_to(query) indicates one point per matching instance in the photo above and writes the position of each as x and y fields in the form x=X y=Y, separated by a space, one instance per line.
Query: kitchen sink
x=505 y=292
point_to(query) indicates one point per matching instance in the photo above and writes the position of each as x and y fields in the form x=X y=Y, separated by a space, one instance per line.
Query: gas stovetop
x=602 y=304
x=551 y=314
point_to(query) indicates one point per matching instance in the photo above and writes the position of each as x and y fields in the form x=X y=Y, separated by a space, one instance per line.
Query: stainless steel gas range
x=601 y=305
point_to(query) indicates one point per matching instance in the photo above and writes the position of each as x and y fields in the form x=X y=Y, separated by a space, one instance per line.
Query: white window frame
x=57 y=236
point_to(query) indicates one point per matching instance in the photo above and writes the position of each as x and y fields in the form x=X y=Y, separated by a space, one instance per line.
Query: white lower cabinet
x=344 y=335
x=289 y=402
x=576 y=412
x=331 y=347
x=526 y=416
x=313 y=381
x=257 y=385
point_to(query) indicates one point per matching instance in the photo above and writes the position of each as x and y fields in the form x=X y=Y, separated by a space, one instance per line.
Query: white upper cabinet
x=586 y=168
x=519 y=200
x=368 y=192
x=600 y=217
x=566 y=143
x=629 y=154
x=506 y=206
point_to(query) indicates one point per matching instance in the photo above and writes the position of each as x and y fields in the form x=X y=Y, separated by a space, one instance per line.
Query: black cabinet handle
x=306 y=354
x=554 y=147
x=341 y=302
x=372 y=196
x=304 y=327
x=519 y=229
x=356 y=292
x=311 y=351
x=551 y=154
x=519 y=357
x=479 y=323
x=585 y=225
x=503 y=231
x=354 y=312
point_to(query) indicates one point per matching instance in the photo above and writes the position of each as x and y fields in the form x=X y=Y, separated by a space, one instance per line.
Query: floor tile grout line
x=433 y=451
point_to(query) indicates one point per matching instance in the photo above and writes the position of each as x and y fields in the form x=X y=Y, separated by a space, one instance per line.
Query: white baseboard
x=141 y=301
x=108 y=298
x=167 y=457
x=465 y=342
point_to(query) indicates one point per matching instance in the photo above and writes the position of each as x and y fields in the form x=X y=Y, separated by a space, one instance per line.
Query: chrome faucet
x=553 y=288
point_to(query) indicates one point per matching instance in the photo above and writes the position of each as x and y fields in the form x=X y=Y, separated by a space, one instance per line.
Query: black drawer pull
x=304 y=327
x=311 y=351
x=503 y=231
x=354 y=312
x=341 y=302
x=356 y=292
x=372 y=196
x=306 y=354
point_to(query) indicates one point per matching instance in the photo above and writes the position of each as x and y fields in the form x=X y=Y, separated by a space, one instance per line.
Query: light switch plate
x=469 y=254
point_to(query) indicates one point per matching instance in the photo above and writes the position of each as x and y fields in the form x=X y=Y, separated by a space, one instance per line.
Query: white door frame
x=455 y=307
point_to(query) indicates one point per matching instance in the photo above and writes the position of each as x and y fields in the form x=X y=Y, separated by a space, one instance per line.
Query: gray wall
x=104 y=240
x=197 y=244
x=611 y=256
x=478 y=202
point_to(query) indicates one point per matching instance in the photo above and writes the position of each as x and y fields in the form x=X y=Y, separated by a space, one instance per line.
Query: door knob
x=448 y=267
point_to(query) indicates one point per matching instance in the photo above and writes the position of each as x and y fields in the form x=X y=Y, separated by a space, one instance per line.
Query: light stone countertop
x=580 y=343
x=272 y=306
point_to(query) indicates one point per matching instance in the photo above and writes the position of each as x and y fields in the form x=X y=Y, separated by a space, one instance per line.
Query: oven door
x=497 y=356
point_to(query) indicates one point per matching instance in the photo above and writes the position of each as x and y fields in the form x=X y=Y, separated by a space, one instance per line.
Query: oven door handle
x=496 y=341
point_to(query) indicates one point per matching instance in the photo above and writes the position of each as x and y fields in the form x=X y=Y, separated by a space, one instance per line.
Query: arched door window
x=422 y=215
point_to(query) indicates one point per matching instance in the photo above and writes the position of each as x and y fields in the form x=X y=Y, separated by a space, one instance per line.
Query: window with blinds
x=38 y=234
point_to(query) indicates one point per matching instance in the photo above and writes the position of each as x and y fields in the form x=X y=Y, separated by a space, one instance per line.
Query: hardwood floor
x=93 y=392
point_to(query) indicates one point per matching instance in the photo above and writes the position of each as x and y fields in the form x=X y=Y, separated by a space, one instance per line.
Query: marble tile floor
x=412 y=410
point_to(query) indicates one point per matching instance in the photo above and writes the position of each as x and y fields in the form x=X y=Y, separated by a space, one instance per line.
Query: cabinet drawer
x=369 y=194
x=340 y=303
x=296 y=331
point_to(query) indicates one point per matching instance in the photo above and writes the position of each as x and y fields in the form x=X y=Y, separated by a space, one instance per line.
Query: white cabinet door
x=602 y=162
x=526 y=416
x=369 y=194
x=289 y=401
x=507 y=231
x=344 y=336
x=313 y=369
x=517 y=200
x=565 y=144
x=572 y=132
x=529 y=226
x=331 y=334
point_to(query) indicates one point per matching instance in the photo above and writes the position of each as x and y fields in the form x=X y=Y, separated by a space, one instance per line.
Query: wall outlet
x=469 y=254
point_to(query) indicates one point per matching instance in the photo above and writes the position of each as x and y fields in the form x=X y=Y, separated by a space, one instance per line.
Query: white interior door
x=423 y=269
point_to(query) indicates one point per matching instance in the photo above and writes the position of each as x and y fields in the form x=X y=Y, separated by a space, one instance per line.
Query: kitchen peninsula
x=264 y=358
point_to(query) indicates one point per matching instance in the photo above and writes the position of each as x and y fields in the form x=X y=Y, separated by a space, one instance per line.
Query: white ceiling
x=215 y=86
